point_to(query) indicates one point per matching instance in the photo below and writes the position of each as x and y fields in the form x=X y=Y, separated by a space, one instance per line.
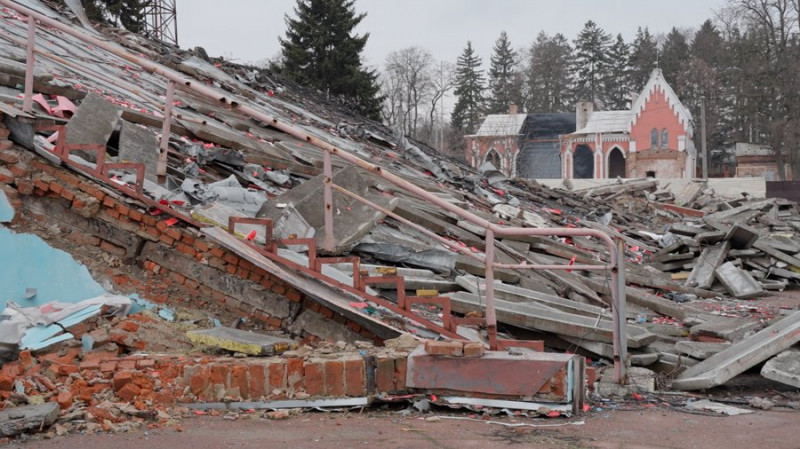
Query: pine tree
x=548 y=74
x=127 y=13
x=674 y=58
x=618 y=82
x=591 y=62
x=644 y=53
x=467 y=111
x=321 y=51
x=501 y=76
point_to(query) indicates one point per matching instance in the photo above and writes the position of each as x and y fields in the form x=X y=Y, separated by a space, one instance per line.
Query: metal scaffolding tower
x=161 y=22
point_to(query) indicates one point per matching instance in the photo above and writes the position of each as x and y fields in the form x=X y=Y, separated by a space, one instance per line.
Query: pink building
x=653 y=138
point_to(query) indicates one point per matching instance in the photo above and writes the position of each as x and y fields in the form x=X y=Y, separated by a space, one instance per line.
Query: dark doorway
x=583 y=163
x=650 y=174
x=494 y=158
x=616 y=164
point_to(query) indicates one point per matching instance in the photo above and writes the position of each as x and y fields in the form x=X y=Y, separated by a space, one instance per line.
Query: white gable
x=657 y=81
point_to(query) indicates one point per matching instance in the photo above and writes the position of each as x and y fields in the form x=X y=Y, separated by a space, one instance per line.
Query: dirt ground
x=648 y=428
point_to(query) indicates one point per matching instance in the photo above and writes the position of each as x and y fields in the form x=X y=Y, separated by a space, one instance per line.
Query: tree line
x=744 y=65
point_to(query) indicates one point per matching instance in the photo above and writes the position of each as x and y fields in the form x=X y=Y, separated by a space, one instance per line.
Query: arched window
x=654 y=138
x=664 y=138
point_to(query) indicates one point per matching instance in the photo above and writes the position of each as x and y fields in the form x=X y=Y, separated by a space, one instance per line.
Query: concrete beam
x=537 y=317
x=719 y=368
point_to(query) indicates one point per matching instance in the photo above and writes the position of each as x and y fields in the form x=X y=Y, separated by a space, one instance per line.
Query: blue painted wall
x=28 y=261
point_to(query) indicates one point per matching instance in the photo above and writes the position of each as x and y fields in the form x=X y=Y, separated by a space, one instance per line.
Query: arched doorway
x=494 y=157
x=583 y=163
x=616 y=164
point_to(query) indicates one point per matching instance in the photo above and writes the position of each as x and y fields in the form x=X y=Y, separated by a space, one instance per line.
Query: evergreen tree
x=467 y=111
x=321 y=51
x=708 y=45
x=127 y=13
x=674 y=58
x=618 y=83
x=644 y=53
x=501 y=76
x=548 y=74
x=591 y=63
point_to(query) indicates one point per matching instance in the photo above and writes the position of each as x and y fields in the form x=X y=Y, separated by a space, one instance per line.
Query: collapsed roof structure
x=204 y=186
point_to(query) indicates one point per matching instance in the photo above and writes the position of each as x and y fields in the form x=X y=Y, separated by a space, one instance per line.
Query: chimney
x=583 y=111
x=512 y=109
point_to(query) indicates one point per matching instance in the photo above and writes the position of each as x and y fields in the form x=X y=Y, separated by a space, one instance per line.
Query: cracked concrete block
x=784 y=368
x=702 y=275
x=139 y=145
x=739 y=283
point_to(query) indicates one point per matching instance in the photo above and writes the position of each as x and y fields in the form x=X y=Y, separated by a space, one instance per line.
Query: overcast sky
x=248 y=30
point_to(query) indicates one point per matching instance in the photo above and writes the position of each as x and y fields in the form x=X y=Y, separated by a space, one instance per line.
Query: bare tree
x=410 y=75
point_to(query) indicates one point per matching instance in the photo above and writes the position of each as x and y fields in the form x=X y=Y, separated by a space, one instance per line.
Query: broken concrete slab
x=716 y=407
x=726 y=328
x=776 y=253
x=537 y=317
x=351 y=219
x=474 y=267
x=741 y=236
x=438 y=260
x=516 y=294
x=241 y=341
x=139 y=145
x=688 y=194
x=784 y=368
x=739 y=283
x=94 y=121
x=700 y=350
x=27 y=418
x=721 y=367
x=702 y=275
x=639 y=380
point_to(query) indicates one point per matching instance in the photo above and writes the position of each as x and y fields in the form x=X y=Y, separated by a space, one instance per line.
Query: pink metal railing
x=176 y=79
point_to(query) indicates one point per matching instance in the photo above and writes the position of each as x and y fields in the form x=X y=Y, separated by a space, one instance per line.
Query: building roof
x=549 y=126
x=607 y=122
x=502 y=125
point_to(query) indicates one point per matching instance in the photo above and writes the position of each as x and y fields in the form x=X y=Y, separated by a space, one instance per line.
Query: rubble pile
x=696 y=264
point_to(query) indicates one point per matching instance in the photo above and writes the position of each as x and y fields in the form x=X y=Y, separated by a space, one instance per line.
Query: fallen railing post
x=327 y=193
x=27 y=102
x=619 y=306
x=491 y=317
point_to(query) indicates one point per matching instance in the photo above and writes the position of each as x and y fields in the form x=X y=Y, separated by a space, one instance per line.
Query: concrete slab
x=241 y=341
x=702 y=275
x=139 y=144
x=639 y=380
x=533 y=375
x=93 y=122
x=537 y=317
x=741 y=236
x=27 y=418
x=739 y=357
x=739 y=283
x=727 y=328
x=699 y=349
x=784 y=368
x=351 y=219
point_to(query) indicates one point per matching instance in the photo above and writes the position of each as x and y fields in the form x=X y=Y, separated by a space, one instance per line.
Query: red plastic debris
x=171 y=221
x=251 y=235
